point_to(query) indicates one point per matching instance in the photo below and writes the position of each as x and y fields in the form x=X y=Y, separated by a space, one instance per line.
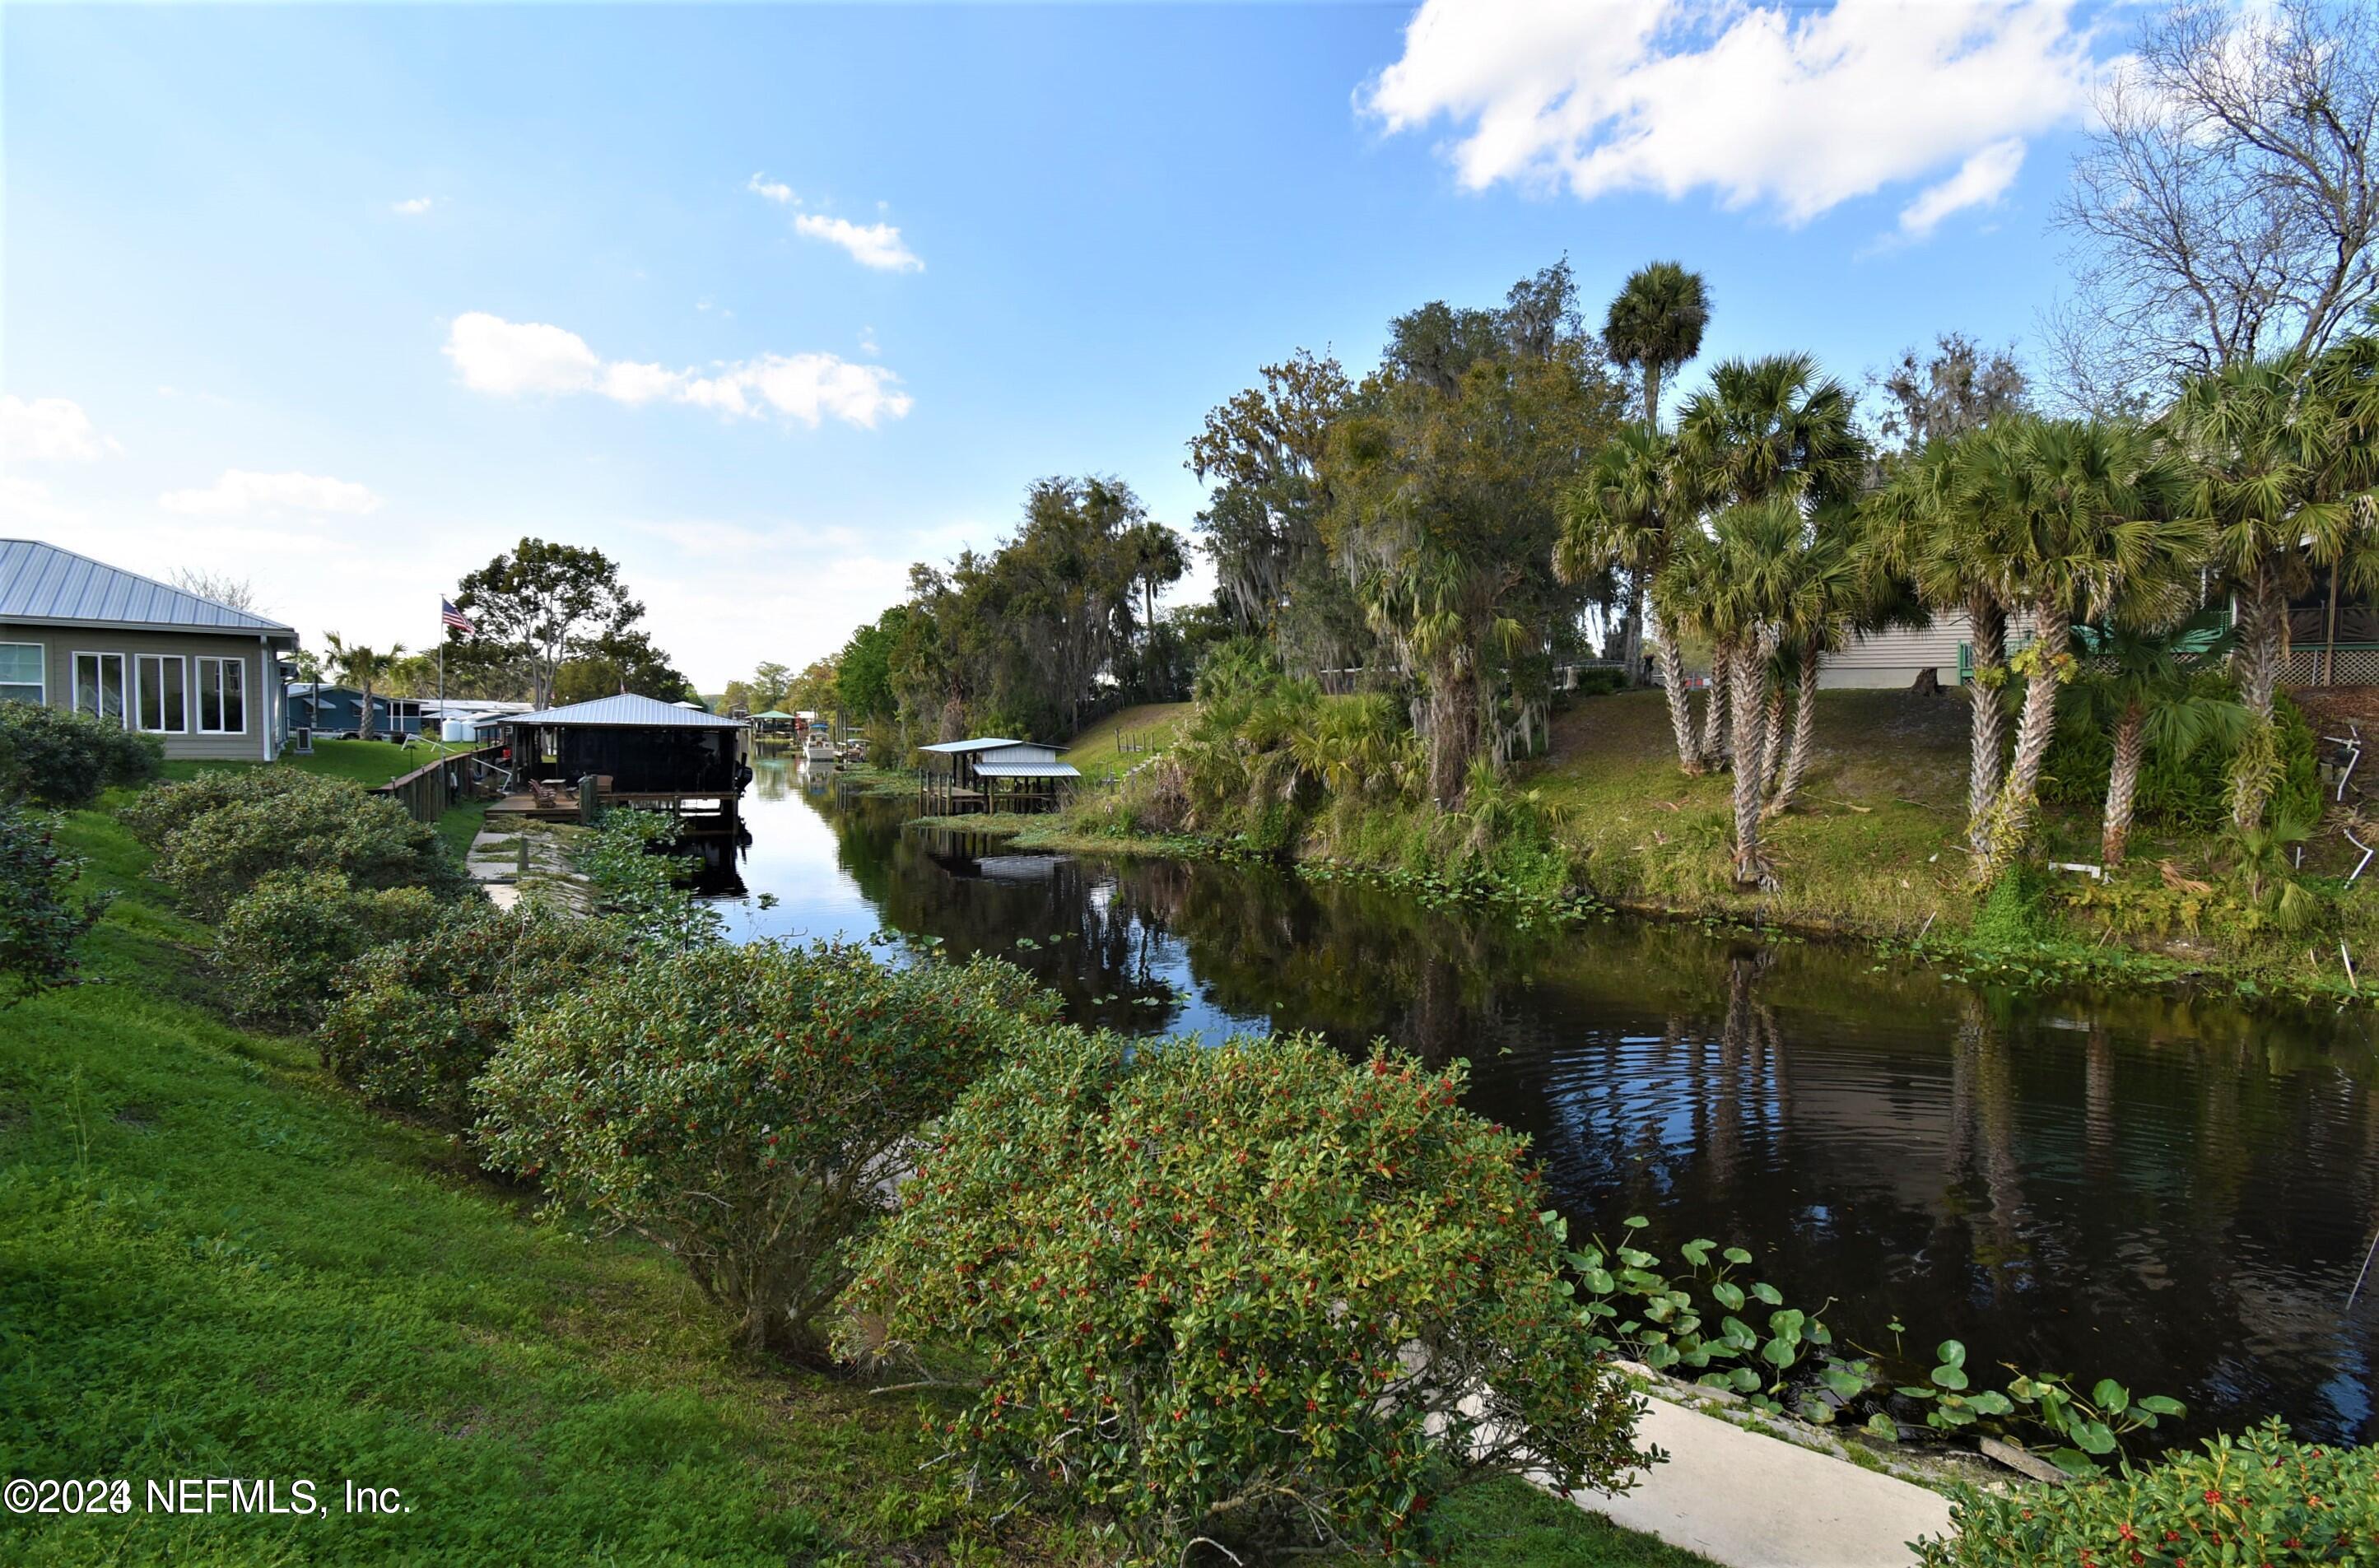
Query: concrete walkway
x=1751 y=1501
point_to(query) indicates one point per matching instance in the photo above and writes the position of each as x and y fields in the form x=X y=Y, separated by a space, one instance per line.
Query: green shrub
x=39 y=924
x=628 y=860
x=747 y=1107
x=412 y=1023
x=1253 y=1292
x=322 y=825
x=2187 y=792
x=282 y=942
x=155 y=815
x=56 y=758
x=1600 y=683
x=2258 y=1498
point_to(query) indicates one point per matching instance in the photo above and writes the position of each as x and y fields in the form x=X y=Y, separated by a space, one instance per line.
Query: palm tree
x=2142 y=686
x=2082 y=510
x=1762 y=428
x=1766 y=427
x=1930 y=526
x=1622 y=514
x=1655 y=324
x=1735 y=585
x=2281 y=471
x=361 y=666
x=1834 y=592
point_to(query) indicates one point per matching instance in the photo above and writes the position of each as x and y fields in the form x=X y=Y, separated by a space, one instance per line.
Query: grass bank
x=1873 y=849
x=214 y=1263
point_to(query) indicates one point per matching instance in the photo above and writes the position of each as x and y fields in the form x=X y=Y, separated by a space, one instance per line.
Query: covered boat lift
x=989 y=774
x=572 y=762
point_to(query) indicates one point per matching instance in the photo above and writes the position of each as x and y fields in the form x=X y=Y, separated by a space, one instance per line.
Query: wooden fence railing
x=425 y=792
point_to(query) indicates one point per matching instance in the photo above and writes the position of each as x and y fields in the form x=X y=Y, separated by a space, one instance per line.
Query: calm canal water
x=2175 y=1193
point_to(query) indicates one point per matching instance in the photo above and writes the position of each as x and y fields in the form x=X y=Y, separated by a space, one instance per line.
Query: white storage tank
x=459 y=730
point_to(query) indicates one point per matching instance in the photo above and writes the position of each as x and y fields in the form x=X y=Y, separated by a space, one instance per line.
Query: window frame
x=42 y=652
x=125 y=697
x=196 y=693
x=140 y=693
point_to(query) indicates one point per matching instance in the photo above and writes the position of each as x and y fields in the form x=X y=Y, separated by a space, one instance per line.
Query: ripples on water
x=2175 y=1193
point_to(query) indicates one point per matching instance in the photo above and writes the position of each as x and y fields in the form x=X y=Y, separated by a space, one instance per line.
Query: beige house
x=1896 y=658
x=204 y=678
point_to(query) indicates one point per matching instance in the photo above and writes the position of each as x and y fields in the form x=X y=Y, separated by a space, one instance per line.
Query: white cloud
x=413 y=207
x=875 y=245
x=770 y=190
x=240 y=493
x=1980 y=181
x=507 y=358
x=50 y=429
x=513 y=358
x=1762 y=102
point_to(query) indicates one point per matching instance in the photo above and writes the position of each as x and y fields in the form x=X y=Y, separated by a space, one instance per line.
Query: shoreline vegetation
x=225 y=1254
x=1872 y=852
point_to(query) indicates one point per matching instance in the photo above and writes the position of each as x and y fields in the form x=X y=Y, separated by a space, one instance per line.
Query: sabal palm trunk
x=2263 y=637
x=1748 y=671
x=1987 y=761
x=1453 y=727
x=1717 y=742
x=1771 y=738
x=1804 y=720
x=2007 y=832
x=2124 y=780
x=1680 y=706
x=1631 y=634
x=364 y=724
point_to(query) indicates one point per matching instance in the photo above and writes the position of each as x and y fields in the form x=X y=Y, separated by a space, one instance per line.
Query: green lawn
x=368 y=763
x=1872 y=837
x=212 y=1264
x=1099 y=750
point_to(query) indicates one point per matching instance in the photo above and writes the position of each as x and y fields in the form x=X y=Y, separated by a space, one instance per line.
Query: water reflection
x=2175 y=1192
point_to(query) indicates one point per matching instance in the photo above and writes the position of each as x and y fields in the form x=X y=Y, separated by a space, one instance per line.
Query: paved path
x=1750 y=1501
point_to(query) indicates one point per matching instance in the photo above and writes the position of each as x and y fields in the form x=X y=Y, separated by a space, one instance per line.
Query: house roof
x=40 y=582
x=627 y=711
x=773 y=713
x=956 y=748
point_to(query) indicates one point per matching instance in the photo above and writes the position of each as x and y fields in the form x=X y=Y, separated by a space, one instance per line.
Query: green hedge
x=2257 y=1498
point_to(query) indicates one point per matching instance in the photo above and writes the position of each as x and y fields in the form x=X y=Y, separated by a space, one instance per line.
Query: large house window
x=20 y=673
x=98 y=686
x=165 y=699
x=223 y=696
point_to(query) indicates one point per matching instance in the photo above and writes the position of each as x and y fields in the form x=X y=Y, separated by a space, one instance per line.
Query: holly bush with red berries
x=748 y=1108
x=2256 y=1498
x=1256 y=1294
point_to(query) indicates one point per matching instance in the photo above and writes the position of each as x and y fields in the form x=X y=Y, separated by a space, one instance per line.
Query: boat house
x=627 y=751
x=993 y=774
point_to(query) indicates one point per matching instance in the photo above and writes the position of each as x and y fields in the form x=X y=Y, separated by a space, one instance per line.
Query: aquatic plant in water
x=1717 y=1328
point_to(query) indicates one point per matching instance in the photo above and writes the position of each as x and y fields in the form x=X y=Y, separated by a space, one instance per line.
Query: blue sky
x=343 y=300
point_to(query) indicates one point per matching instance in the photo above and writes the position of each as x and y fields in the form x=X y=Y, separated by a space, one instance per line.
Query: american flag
x=456 y=619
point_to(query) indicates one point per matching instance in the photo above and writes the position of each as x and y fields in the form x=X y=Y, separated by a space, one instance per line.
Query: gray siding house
x=78 y=634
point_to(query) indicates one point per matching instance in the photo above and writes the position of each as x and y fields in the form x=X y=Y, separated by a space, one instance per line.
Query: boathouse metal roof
x=40 y=582
x=627 y=711
x=1027 y=770
x=956 y=748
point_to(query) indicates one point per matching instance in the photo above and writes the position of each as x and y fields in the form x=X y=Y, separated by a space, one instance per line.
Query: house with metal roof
x=78 y=634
